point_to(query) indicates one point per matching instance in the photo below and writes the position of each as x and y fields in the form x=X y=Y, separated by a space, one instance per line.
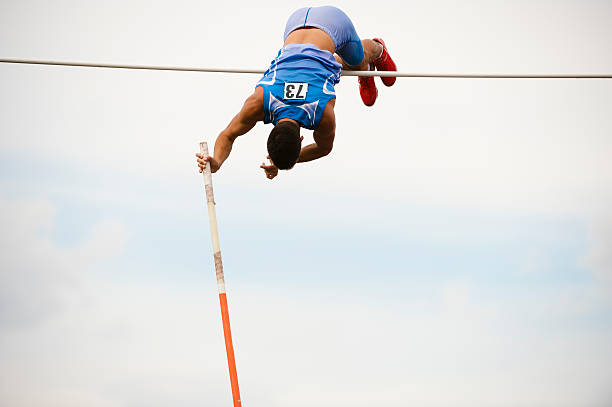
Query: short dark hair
x=284 y=144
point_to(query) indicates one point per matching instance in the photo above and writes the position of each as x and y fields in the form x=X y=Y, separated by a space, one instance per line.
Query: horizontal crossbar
x=344 y=73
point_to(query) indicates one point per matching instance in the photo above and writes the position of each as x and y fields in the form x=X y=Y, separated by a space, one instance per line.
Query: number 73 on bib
x=295 y=91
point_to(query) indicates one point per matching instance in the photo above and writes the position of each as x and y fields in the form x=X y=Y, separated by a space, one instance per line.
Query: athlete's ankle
x=373 y=50
x=379 y=53
x=376 y=50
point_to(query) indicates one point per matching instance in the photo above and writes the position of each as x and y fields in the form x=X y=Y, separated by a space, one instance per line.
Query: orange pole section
x=229 y=347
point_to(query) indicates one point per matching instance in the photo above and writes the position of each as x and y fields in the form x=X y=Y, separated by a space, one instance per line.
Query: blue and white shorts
x=336 y=24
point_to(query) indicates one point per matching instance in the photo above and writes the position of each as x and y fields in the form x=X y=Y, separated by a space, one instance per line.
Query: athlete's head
x=284 y=144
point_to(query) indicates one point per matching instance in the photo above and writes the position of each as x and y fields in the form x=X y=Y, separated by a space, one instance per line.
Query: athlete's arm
x=323 y=136
x=245 y=120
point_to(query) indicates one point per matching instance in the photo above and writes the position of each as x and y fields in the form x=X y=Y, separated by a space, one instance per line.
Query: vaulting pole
x=214 y=233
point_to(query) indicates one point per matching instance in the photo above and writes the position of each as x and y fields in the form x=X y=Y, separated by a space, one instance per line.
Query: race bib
x=296 y=91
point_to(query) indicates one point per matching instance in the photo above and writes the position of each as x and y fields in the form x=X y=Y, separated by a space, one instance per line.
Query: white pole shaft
x=344 y=73
x=212 y=218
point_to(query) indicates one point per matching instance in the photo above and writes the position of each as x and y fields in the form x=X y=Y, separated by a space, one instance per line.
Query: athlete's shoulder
x=328 y=117
x=253 y=105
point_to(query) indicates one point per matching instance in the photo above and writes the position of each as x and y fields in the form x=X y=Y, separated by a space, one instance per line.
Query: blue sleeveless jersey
x=298 y=84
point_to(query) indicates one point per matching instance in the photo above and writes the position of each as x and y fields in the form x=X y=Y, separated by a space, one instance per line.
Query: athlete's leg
x=371 y=51
x=350 y=60
x=353 y=53
x=385 y=63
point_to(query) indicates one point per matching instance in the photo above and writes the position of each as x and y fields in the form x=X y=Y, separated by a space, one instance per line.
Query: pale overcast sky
x=455 y=249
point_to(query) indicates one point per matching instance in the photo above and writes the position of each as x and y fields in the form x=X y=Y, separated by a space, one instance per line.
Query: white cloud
x=599 y=256
x=107 y=238
x=111 y=344
x=126 y=345
x=38 y=277
x=155 y=345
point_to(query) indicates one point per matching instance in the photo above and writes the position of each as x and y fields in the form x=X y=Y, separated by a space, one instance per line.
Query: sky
x=455 y=249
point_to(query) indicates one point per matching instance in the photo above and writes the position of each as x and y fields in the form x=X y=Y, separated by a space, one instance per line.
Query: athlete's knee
x=326 y=150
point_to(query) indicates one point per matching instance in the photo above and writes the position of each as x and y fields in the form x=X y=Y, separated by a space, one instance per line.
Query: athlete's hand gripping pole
x=214 y=233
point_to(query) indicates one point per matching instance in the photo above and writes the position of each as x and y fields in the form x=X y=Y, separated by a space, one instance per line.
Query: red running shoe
x=385 y=63
x=367 y=88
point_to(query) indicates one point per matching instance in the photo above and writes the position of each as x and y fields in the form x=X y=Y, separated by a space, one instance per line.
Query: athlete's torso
x=311 y=35
x=299 y=84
